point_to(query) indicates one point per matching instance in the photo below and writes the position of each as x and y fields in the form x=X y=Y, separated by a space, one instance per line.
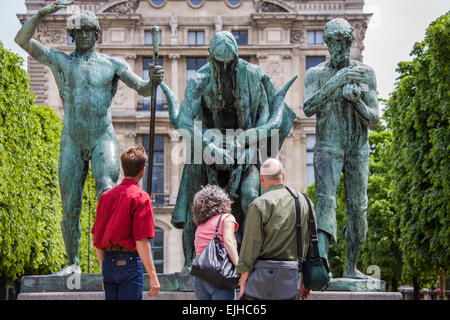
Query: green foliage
x=30 y=206
x=336 y=255
x=418 y=113
x=89 y=204
x=29 y=192
x=381 y=247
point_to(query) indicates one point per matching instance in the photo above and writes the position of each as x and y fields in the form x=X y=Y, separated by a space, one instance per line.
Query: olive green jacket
x=270 y=231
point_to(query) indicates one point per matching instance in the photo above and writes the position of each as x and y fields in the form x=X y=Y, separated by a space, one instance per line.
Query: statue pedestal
x=83 y=282
x=356 y=285
x=178 y=286
x=173 y=39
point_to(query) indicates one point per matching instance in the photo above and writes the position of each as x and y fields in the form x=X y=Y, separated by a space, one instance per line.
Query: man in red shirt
x=122 y=229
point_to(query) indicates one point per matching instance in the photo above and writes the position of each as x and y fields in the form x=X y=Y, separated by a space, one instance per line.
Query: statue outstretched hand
x=53 y=7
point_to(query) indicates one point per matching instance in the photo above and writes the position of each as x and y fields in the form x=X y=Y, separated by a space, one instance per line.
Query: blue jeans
x=204 y=291
x=123 y=276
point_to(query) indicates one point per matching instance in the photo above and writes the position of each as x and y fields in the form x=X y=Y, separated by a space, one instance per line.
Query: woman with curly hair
x=211 y=204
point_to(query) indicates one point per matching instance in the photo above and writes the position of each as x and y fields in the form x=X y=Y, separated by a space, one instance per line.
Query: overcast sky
x=395 y=26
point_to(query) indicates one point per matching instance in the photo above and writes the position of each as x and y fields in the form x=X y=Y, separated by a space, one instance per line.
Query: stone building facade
x=283 y=37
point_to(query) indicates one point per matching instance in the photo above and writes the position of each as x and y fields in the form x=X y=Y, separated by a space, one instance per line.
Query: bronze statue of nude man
x=87 y=82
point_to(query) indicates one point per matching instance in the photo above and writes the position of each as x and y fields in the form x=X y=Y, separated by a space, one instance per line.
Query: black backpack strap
x=216 y=233
x=298 y=227
x=312 y=228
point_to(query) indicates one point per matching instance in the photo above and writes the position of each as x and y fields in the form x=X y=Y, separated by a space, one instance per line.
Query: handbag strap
x=312 y=228
x=298 y=226
x=216 y=233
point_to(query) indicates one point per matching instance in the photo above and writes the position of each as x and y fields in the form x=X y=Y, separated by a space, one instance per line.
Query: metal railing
x=160 y=199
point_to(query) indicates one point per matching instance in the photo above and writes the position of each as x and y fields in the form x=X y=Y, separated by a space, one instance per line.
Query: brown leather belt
x=119 y=248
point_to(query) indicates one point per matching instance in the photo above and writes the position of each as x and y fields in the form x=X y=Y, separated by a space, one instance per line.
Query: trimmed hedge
x=30 y=205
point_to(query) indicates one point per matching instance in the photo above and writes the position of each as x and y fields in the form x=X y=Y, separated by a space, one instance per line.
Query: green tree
x=418 y=113
x=88 y=209
x=336 y=255
x=29 y=192
x=381 y=247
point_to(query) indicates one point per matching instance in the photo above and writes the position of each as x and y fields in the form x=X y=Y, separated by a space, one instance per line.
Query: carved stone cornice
x=261 y=55
x=273 y=6
x=131 y=56
x=286 y=56
x=359 y=33
x=120 y=6
x=298 y=36
x=55 y=36
x=131 y=135
x=174 y=56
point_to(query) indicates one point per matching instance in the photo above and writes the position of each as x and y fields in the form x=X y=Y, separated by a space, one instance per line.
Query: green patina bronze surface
x=93 y=282
x=356 y=285
x=342 y=94
x=227 y=93
x=87 y=82
x=169 y=282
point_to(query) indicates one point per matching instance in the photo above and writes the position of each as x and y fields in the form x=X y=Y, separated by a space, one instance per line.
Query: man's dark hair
x=133 y=161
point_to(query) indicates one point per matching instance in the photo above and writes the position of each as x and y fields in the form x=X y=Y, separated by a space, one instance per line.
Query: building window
x=312 y=61
x=246 y=58
x=158 y=195
x=157 y=244
x=146 y=101
x=241 y=37
x=195 y=3
x=193 y=64
x=157 y=3
x=148 y=38
x=315 y=37
x=196 y=38
x=310 y=143
x=233 y=3
x=70 y=41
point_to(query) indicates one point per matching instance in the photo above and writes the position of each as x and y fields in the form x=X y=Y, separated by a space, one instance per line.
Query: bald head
x=272 y=169
x=271 y=173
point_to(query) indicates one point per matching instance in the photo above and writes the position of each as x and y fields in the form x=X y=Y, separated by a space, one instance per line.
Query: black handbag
x=315 y=268
x=214 y=266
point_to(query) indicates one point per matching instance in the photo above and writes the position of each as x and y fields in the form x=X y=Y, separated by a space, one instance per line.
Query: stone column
x=262 y=59
x=174 y=57
x=125 y=100
x=297 y=87
x=302 y=69
x=175 y=166
x=287 y=63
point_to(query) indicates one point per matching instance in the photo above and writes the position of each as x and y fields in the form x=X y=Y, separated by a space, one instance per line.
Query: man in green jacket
x=270 y=230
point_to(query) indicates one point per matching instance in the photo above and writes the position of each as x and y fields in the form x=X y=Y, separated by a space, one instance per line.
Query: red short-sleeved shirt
x=124 y=216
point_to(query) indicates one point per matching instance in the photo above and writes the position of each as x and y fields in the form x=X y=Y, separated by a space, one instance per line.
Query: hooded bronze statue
x=238 y=103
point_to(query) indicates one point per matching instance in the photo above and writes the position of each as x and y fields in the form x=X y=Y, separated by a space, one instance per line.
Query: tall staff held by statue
x=151 y=140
